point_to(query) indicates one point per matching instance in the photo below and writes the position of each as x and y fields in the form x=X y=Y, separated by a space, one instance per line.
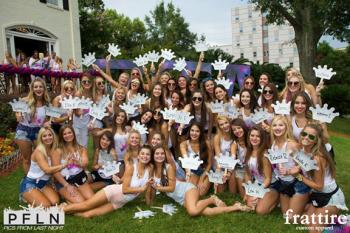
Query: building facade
x=253 y=39
x=42 y=25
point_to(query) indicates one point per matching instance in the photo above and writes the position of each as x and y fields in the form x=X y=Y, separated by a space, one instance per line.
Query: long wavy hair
x=62 y=143
x=163 y=174
x=288 y=135
x=33 y=99
x=253 y=102
x=203 y=109
x=294 y=73
x=239 y=122
x=203 y=149
x=40 y=145
x=307 y=101
x=261 y=149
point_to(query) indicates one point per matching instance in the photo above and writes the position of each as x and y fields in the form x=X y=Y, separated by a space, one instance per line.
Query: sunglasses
x=171 y=84
x=136 y=74
x=249 y=83
x=100 y=83
x=268 y=92
x=86 y=82
x=69 y=88
x=310 y=136
x=197 y=98
x=157 y=112
x=293 y=83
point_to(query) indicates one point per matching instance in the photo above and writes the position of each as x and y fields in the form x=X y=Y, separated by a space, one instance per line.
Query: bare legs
x=46 y=198
x=80 y=194
x=202 y=184
x=25 y=147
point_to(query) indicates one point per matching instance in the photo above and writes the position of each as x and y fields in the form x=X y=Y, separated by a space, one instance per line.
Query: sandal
x=218 y=201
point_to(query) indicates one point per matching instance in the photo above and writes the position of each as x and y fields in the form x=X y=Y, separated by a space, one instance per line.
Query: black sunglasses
x=268 y=91
x=197 y=98
x=310 y=136
x=293 y=83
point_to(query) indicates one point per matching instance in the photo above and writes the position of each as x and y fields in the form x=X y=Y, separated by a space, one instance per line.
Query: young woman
x=196 y=144
x=160 y=125
x=35 y=187
x=135 y=181
x=326 y=196
x=208 y=85
x=184 y=88
x=104 y=154
x=249 y=83
x=133 y=146
x=146 y=119
x=72 y=182
x=10 y=78
x=171 y=88
x=221 y=93
x=30 y=123
x=259 y=170
x=239 y=149
x=247 y=105
x=269 y=96
x=185 y=193
x=293 y=194
x=157 y=98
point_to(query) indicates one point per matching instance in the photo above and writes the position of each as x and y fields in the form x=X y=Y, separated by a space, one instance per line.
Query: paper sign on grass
x=144 y=214
x=255 y=189
x=216 y=177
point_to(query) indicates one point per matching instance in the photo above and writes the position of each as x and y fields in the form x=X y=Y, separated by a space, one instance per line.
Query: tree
x=310 y=19
x=167 y=29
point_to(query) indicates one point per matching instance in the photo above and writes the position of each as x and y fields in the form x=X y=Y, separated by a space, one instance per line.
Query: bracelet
x=299 y=177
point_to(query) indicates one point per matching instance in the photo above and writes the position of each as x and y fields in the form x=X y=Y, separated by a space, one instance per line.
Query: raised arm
x=199 y=65
x=106 y=76
x=108 y=65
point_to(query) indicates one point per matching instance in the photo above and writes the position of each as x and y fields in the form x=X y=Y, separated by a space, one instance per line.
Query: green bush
x=7 y=119
x=337 y=96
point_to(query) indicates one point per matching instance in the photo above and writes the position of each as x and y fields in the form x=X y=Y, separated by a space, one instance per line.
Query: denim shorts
x=26 y=133
x=198 y=172
x=28 y=184
x=290 y=188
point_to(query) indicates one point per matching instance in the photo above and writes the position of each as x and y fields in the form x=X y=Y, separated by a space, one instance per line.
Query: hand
x=189 y=73
x=319 y=87
x=47 y=124
x=145 y=71
x=201 y=56
x=294 y=171
x=179 y=130
x=188 y=175
x=108 y=58
x=116 y=179
x=265 y=126
x=283 y=171
x=97 y=166
x=153 y=68
x=71 y=190
x=95 y=67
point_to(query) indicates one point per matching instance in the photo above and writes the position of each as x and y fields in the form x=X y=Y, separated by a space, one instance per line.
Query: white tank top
x=225 y=146
x=253 y=168
x=247 y=119
x=190 y=150
x=38 y=119
x=71 y=170
x=136 y=182
x=35 y=171
x=121 y=144
x=81 y=121
x=296 y=129
x=240 y=153
x=286 y=165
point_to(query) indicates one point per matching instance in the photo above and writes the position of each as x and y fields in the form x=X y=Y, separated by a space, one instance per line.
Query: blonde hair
x=32 y=100
x=223 y=118
x=295 y=74
x=288 y=135
x=40 y=144
x=65 y=83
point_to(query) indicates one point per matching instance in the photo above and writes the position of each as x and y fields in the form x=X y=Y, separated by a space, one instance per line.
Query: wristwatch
x=300 y=177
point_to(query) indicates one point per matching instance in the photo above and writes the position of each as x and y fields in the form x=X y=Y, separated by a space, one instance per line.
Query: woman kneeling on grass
x=185 y=193
x=135 y=181
x=35 y=187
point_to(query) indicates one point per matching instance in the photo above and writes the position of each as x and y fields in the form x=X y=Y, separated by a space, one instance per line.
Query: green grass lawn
x=122 y=220
x=340 y=125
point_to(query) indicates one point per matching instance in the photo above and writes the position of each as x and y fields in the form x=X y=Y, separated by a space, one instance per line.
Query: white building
x=253 y=39
x=43 y=25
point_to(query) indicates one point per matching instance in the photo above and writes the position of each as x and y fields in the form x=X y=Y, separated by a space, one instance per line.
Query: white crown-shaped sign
x=323 y=72
x=259 y=115
x=70 y=102
x=139 y=99
x=140 y=127
x=110 y=168
x=169 y=113
x=192 y=161
x=153 y=56
x=183 y=117
x=305 y=161
x=113 y=49
x=281 y=108
x=201 y=46
x=144 y=214
x=129 y=107
x=277 y=156
x=230 y=111
x=216 y=177
x=180 y=64
x=219 y=64
x=217 y=106
x=84 y=103
x=104 y=101
x=226 y=161
x=223 y=81
x=255 y=189
x=167 y=54
x=141 y=60
x=88 y=59
x=19 y=106
x=52 y=111
x=323 y=114
x=169 y=209
x=97 y=112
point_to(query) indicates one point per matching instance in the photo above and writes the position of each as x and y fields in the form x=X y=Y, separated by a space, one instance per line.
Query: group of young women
x=58 y=167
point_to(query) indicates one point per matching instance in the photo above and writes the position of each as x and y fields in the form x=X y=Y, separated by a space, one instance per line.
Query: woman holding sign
x=29 y=123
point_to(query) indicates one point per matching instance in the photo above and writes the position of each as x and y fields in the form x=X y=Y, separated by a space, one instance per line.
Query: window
x=276 y=36
x=242 y=55
x=266 y=40
x=291 y=64
x=254 y=29
x=266 y=53
x=280 y=50
x=238 y=44
x=59 y=4
x=250 y=42
x=236 y=18
x=295 y=50
x=241 y=27
x=254 y=54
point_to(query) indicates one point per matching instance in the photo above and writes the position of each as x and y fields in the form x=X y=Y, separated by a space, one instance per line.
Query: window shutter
x=66 y=5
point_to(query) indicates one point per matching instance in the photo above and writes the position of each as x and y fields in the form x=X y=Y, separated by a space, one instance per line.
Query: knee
x=260 y=210
x=192 y=212
x=55 y=200
x=86 y=215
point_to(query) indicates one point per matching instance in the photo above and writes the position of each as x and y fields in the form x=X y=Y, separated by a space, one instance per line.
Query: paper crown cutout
x=180 y=64
x=217 y=106
x=226 y=161
x=167 y=54
x=192 y=161
x=255 y=189
x=223 y=81
x=88 y=59
x=219 y=64
x=231 y=111
x=144 y=214
x=83 y=103
x=216 y=177
x=323 y=72
x=70 y=102
x=169 y=113
x=140 y=127
x=183 y=117
x=277 y=156
x=169 y=209
x=305 y=161
x=259 y=115
x=139 y=99
x=19 y=106
x=128 y=107
x=104 y=101
x=323 y=114
x=153 y=56
x=97 y=112
x=110 y=168
x=201 y=46
x=52 y=111
x=282 y=108
x=141 y=60
x=113 y=49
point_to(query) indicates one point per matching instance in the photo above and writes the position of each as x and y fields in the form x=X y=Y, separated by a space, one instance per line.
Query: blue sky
x=209 y=17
